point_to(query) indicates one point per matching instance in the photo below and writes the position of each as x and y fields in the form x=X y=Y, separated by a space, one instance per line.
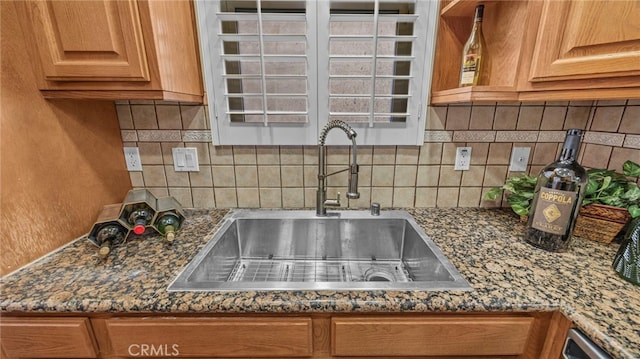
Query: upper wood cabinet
x=543 y=50
x=114 y=49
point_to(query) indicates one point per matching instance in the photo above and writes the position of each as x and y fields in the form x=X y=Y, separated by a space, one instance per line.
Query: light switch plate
x=463 y=158
x=519 y=159
x=185 y=159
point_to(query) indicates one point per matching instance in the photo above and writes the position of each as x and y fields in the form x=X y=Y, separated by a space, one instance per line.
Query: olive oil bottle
x=556 y=200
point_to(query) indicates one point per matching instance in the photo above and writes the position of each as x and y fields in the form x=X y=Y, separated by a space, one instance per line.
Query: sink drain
x=378 y=275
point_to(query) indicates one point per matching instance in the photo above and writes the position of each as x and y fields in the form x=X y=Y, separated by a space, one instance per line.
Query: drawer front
x=429 y=336
x=47 y=338
x=209 y=337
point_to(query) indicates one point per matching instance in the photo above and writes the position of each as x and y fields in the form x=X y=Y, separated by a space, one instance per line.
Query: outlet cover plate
x=132 y=158
x=463 y=158
x=185 y=159
x=519 y=159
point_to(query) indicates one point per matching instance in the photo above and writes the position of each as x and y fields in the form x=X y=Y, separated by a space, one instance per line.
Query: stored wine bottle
x=168 y=225
x=109 y=236
x=140 y=217
x=138 y=209
x=557 y=198
x=472 y=56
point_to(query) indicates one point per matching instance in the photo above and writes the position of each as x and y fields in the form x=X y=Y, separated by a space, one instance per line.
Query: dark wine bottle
x=556 y=200
x=108 y=236
x=140 y=217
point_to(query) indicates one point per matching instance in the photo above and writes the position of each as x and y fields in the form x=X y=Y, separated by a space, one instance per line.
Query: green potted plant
x=611 y=199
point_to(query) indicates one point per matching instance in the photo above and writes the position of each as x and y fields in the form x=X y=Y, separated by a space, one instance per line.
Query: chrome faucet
x=321 y=195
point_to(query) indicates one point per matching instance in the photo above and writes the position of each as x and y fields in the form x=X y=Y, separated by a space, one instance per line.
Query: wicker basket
x=600 y=223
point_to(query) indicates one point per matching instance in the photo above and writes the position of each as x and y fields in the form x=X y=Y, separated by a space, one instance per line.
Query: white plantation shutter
x=278 y=71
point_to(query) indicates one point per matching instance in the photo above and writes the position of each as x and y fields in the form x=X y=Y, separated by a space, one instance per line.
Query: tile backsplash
x=398 y=176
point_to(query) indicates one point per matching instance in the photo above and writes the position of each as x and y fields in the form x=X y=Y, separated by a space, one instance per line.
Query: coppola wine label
x=554 y=210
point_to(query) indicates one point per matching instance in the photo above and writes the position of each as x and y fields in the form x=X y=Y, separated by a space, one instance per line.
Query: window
x=277 y=71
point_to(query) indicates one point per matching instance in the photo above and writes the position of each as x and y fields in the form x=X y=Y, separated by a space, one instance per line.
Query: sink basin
x=296 y=250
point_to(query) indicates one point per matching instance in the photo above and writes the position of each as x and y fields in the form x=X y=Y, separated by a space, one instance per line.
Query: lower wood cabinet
x=322 y=335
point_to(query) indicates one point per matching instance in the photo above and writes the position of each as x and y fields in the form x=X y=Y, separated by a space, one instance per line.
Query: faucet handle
x=333 y=202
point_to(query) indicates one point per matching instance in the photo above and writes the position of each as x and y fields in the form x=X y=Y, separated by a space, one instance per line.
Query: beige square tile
x=458 y=118
x=182 y=195
x=169 y=117
x=437 y=118
x=364 y=202
x=428 y=176
x=382 y=176
x=430 y=154
x=223 y=176
x=203 y=152
x=136 y=179
x=150 y=153
x=577 y=117
x=553 y=118
x=426 y=197
x=310 y=155
x=125 y=119
x=384 y=155
x=544 y=153
x=144 y=117
x=225 y=197
x=469 y=197
x=499 y=153
x=619 y=156
x=176 y=179
x=221 y=155
x=310 y=176
x=482 y=117
x=365 y=155
x=630 y=120
x=535 y=170
x=310 y=197
x=201 y=178
x=611 y=102
x=632 y=102
x=248 y=198
x=269 y=176
x=270 y=197
x=167 y=151
x=364 y=176
x=407 y=155
x=404 y=196
x=244 y=155
x=479 y=153
x=530 y=117
x=607 y=119
x=193 y=117
x=489 y=204
x=447 y=197
x=595 y=156
x=154 y=175
x=268 y=155
x=506 y=117
x=338 y=155
x=141 y=102
x=246 y=176
x=291 y=155
x=203 y=198
x=473 y=177
x=449 y=152
x=495 y=176
x=449 y=177
x=405 y=176
x=292 y=176
x=382 y=195
x=293 y=197
x=158 y=191
x=339 y=179
x=557 y=103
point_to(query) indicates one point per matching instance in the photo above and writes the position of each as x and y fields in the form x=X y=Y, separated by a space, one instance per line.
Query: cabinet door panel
x=89 y=40
x=587 y=39
x=209 y=337
x=47 y=338
x=429 y=336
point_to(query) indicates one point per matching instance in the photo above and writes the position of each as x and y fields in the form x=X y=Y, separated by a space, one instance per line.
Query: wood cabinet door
x=47 y=338
x=587 y=39
x=94 y=40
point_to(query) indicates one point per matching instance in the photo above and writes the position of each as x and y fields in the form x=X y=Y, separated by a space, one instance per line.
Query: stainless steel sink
x=296 y=250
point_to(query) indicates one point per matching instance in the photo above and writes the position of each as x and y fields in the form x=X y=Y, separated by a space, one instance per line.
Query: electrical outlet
x=185 y=159
x=463 y=158
x=519 y=159
x=132 y=157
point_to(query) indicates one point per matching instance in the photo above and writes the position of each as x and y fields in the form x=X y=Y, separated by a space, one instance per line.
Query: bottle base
x=547 y=241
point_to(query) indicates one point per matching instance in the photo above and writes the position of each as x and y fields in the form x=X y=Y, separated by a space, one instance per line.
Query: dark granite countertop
x=485 y=245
